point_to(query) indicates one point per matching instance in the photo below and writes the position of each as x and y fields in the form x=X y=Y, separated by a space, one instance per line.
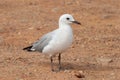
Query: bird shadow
x=91 y=67
x=75 y=66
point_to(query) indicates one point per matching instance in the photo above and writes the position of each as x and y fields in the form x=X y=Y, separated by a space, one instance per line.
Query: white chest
x=64 y=37
x=60 y=42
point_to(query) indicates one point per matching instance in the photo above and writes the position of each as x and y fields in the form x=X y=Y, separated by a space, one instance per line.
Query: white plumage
x=57 y=41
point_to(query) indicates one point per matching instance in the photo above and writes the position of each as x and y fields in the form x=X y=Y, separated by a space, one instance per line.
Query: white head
x=67 y=19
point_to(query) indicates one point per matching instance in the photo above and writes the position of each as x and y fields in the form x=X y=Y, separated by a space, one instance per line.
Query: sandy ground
x=94 y=55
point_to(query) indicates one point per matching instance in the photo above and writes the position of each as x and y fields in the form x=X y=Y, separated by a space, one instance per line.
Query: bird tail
x=28 y=48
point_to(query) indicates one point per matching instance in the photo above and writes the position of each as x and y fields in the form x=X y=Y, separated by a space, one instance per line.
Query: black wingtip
x=28 y=48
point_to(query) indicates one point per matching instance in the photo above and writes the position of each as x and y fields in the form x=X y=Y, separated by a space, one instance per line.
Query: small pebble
x=19 y=33
x=67 y=71
x=77 y=59
x=55 y=9
x=106 y=16
x=79 y=74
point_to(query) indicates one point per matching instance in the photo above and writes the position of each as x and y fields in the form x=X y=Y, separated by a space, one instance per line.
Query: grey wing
x=40 y=44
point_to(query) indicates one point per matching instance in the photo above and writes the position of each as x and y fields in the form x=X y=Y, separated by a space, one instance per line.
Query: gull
x=57 y=41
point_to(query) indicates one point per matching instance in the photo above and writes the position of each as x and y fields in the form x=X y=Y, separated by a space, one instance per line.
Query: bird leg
x=59 y=59
x=51 y=59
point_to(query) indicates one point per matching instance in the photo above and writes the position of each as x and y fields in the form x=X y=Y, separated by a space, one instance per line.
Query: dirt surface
x=94 y=55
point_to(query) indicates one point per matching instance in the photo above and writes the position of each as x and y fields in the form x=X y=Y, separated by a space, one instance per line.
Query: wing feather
x=42 y=42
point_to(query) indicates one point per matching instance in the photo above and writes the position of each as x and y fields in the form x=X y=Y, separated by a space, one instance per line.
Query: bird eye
x=68 y=18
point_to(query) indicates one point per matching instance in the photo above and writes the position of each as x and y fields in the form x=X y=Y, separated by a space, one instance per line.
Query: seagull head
x=67 y=19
